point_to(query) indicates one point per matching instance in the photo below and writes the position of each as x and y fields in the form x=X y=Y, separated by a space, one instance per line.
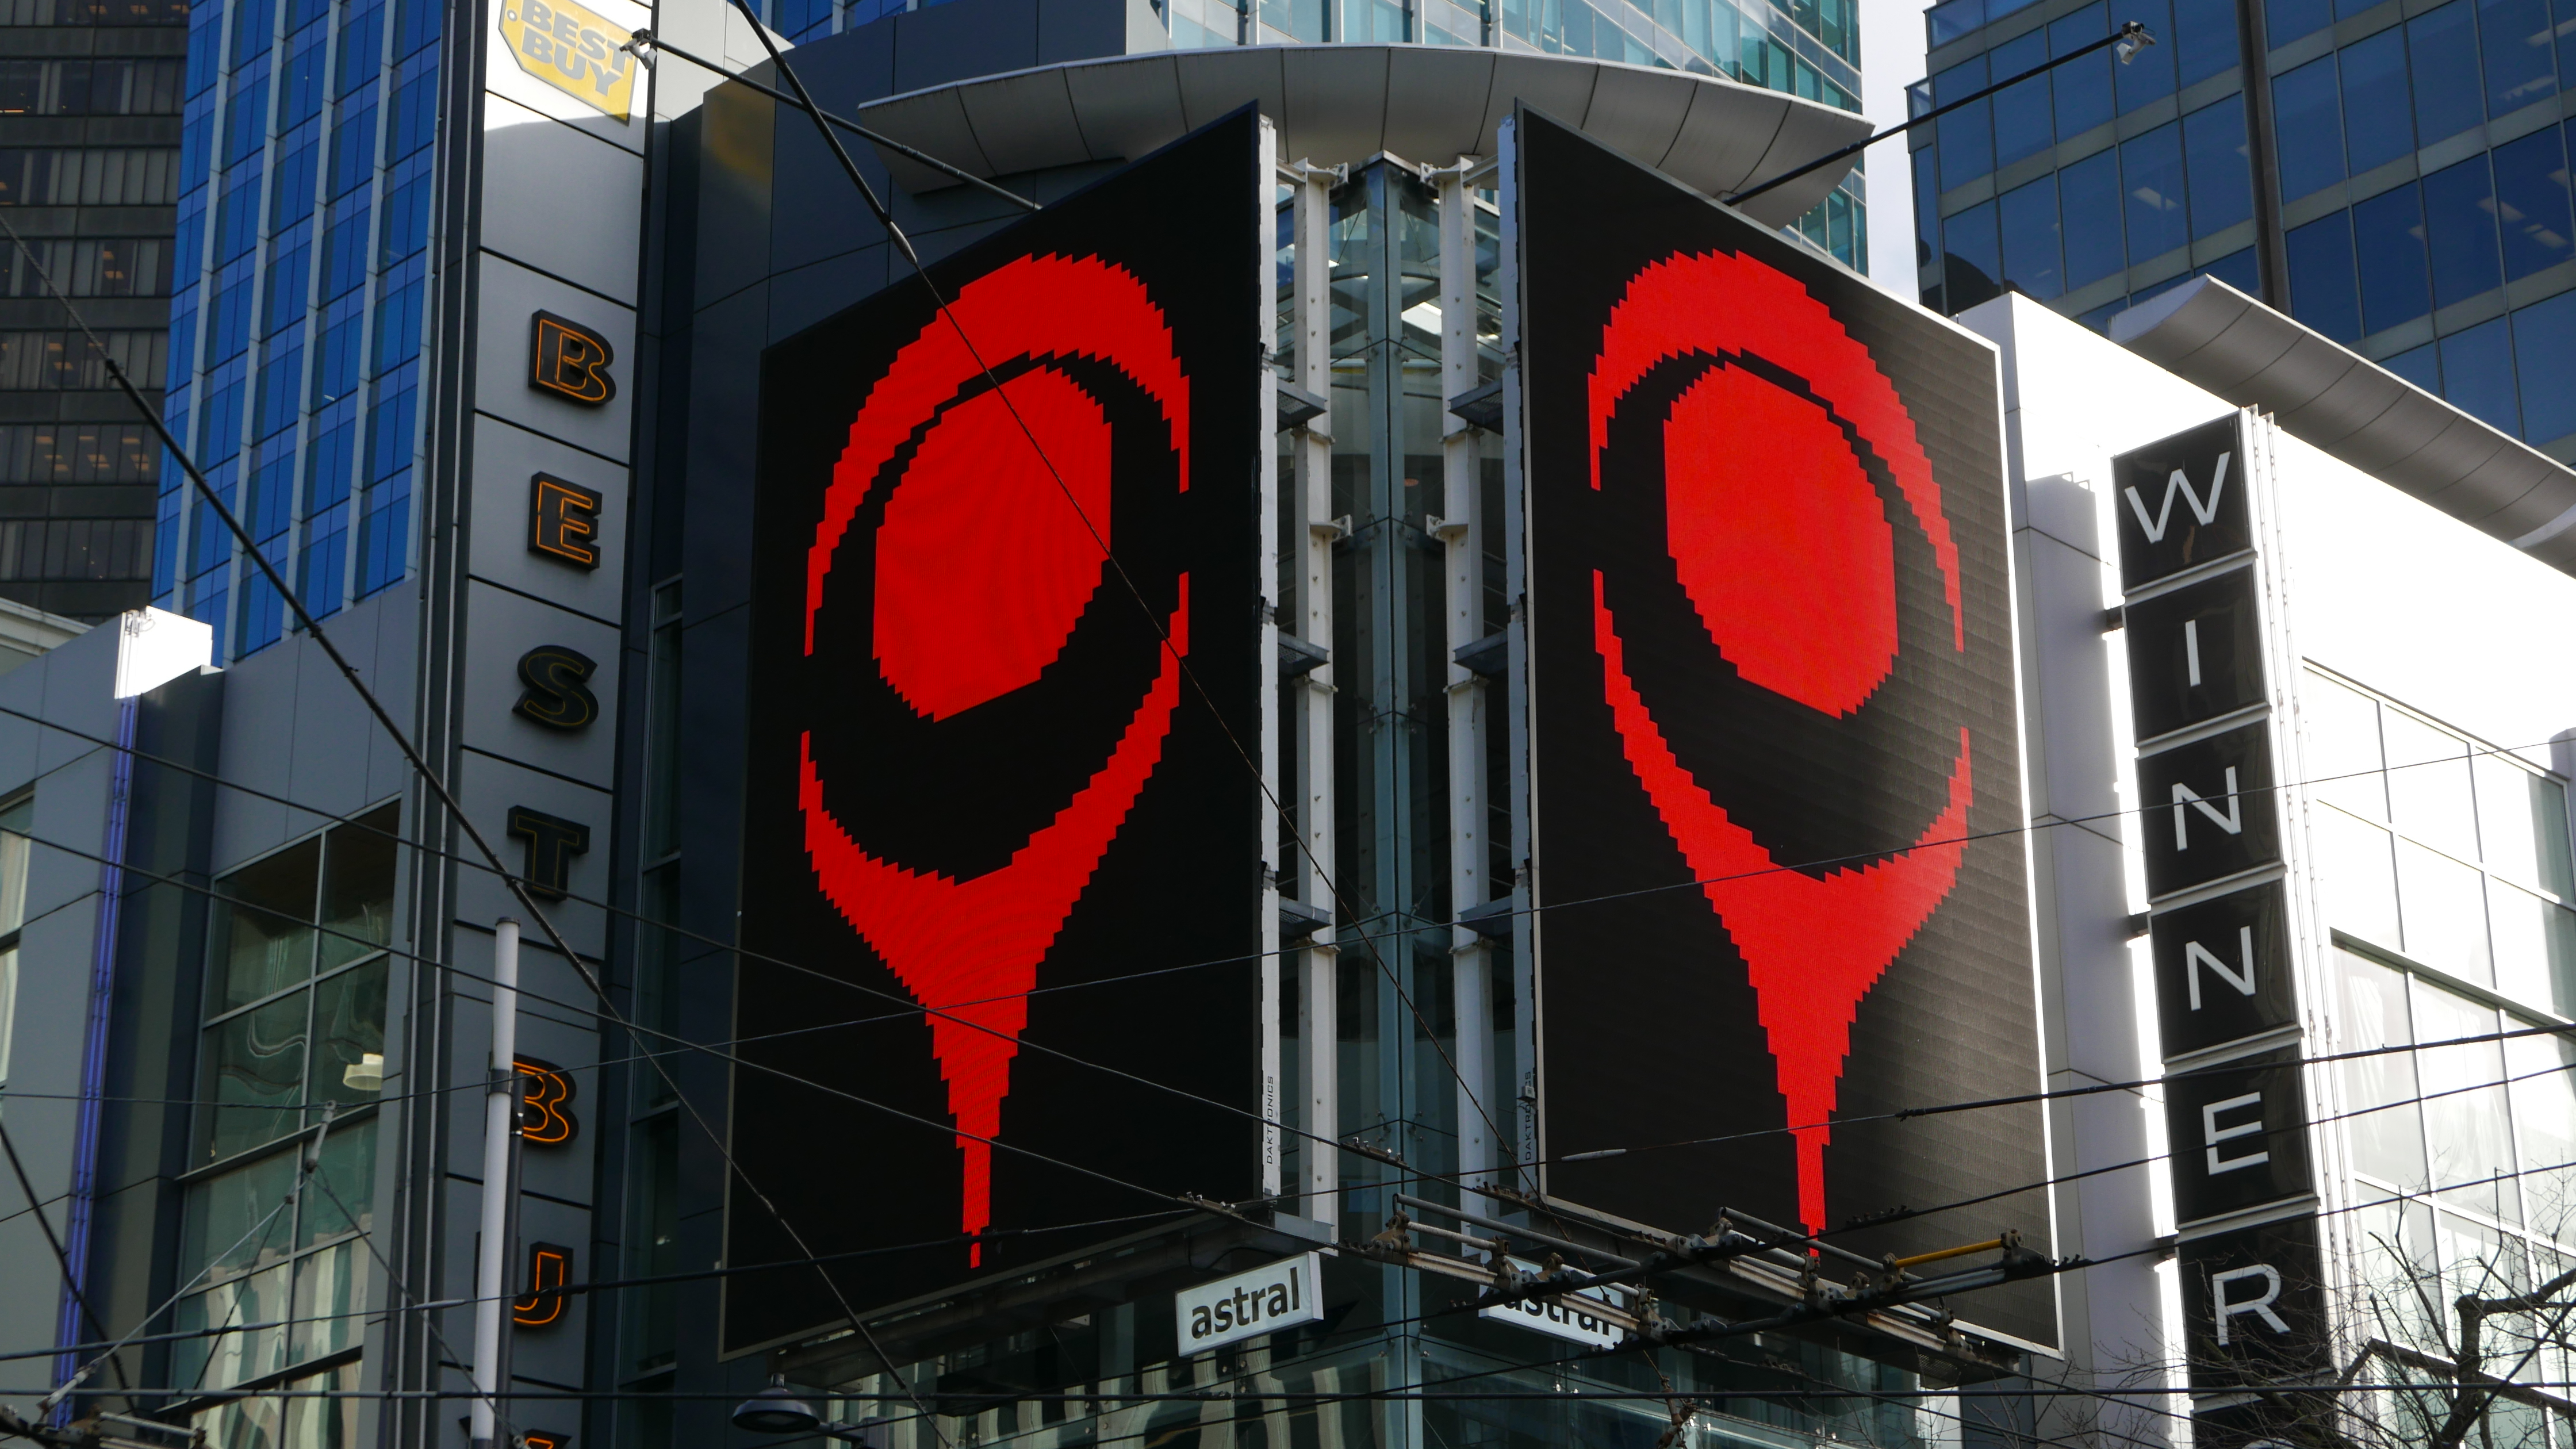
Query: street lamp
x=777 y=1410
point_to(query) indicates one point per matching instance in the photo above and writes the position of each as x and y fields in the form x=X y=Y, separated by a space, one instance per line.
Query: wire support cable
x=420 y=766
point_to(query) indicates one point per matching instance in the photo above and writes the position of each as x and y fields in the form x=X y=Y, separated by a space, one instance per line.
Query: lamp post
x=778 y=1410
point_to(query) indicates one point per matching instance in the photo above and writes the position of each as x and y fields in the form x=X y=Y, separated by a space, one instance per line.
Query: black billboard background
x=1647 y=1019
x=959 y=795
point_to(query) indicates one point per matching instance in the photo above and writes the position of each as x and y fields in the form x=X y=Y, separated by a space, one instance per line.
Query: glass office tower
x=2394 y=175
x=305 y=176
x=89 y=133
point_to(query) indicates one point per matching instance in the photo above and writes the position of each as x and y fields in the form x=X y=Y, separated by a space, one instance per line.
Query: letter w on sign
x=2205 y=511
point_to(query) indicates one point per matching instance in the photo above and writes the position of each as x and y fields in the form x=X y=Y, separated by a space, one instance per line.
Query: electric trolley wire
x=885 y=218
x=2398 y=1197
x=607 y=1006
x=683 y=1045
x=2089 y=1089
x=411 y=754
x=71 y=1280
x=904 y=1008
x=517 y=887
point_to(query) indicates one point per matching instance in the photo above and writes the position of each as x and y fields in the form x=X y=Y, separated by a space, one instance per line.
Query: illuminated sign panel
x=574 y=51
x=991 y=773
x=1774 y=763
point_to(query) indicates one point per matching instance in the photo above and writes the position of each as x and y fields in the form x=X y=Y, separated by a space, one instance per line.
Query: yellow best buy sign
x=572 y=50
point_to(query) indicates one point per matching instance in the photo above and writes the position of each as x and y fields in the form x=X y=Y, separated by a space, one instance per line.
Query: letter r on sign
x=2223 y=1307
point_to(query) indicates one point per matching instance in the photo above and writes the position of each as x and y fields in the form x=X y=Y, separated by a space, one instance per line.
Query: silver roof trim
x=2323 y=393
x=1337 y=104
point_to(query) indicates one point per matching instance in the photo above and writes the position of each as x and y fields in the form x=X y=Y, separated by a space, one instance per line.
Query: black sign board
x=2277 y=1420
x=977 y=775
x=2254 y=1308
x=1770 y=598
x=2223 y=969
x=2238 y=1135
x=2195 y=654
x=2181 y=503
x=2207 y=809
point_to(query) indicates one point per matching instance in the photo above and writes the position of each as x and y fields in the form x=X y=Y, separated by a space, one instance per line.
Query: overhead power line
x=681 y=1044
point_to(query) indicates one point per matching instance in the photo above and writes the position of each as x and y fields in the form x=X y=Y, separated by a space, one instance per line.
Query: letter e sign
x=563 y=521
x=570 y=360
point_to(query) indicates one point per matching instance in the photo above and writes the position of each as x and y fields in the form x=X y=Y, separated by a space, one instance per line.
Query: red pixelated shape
x=1812 y=946
x=1039 y=307
x=1748 y=464
x=983 y=566
x=970 y=948
x=1719 y=303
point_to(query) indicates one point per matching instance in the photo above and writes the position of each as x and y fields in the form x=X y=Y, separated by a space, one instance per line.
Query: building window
x=295 y=1029
x=2437 y=846
x=296 y=1015
x=2462 y=1155
x=17 y=820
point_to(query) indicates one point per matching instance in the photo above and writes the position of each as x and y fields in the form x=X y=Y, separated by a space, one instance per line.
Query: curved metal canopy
x=2324 y=394
x=1337 y=104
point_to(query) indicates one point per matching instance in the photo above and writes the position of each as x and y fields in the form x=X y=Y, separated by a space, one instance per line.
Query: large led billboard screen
x=1781 y=887
x=1005 y=731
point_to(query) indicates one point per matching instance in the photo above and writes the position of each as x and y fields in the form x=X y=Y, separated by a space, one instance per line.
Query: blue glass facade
x=2394 y=175
x=306 y=171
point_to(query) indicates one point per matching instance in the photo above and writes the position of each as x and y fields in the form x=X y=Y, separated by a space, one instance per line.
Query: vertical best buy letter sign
x=574 y=51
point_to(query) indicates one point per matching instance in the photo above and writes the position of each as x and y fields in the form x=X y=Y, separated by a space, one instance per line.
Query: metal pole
x=500 y=1114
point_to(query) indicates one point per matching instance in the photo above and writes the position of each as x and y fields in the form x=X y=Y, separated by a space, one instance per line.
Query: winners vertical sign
x=2210 y=825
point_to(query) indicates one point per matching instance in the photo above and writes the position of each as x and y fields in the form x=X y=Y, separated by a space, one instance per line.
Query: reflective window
x=2460 y=223
x=2204 y=38
x=2532 y=206
x=2378 y=127
x=296 y=993
x=2474 y=879
x=2089 y=193
x=1967 y=135
x=2222 y=187
x=2030 y=238
x=1974 y=262
x=2322 y=285
x=1927 y=215
x=2151 y=177
x=2287 y=20
x=2442 y=55
x=2237 y=269
x=2544 y=344
x=2421 y=366
x=2022 y=125
x=2388 y=243
x=2304 y=123
x=2083 y=87
x=2515 y=37
x=2149 y=75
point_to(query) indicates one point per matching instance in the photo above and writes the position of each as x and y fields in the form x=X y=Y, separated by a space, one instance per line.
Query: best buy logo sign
x=572 y=50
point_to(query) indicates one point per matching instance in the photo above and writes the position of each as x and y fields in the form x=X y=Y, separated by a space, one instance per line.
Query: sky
x=1891 y=58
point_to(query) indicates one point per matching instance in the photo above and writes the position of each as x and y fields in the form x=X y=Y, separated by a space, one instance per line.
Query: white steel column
x=1462 y=535
x=1318 y=998
x=500 y=1121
